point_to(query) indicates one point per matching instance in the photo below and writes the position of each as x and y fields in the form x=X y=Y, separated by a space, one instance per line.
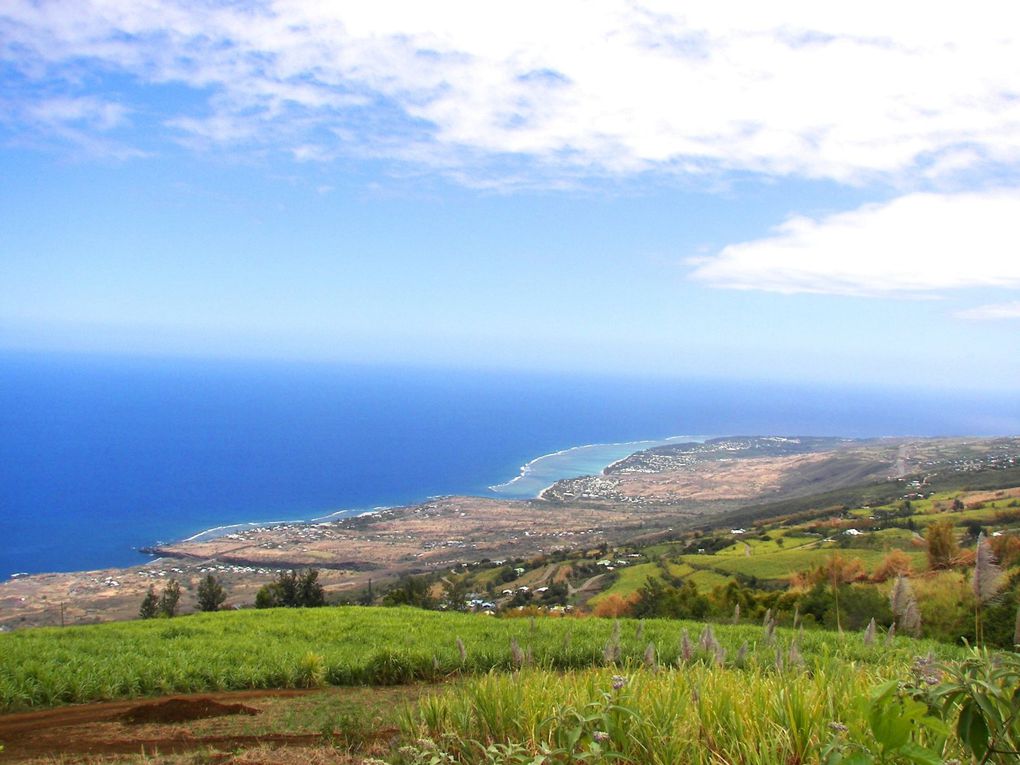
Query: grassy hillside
x=282 y=648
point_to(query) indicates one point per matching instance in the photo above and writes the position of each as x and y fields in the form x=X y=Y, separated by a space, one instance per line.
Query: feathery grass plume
x=779 y=659
x=904 y=607
x=517 y=657
x=869 y=632
x=767 y=619
x=796 y=616
x=770 y=632
x=568 y=637
x=912 y=620
x=462 y=650
x=986 y=582
x=890 y=634
x=736 y=614
x=531 y=625
x=707 y=640
x=1016 y=628
x=720 y=654
x=613 y=651
x=529 y=657
x=686 y=649
x=435 y=664
x=794 y=656
x=741 y=656
x=649 y=658
x=639 y=635
x=987 y=575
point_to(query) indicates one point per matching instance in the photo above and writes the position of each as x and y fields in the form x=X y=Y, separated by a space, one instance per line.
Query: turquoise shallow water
x=101 y=456
x=589 y=459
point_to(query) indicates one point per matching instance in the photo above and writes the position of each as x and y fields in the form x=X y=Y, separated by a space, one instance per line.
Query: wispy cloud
x=88 y=124
x=572 y=89
x=993 y=312
x=919 y=244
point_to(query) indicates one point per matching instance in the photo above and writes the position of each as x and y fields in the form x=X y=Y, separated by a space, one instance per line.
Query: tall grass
x=698 y=713
x=361 y=646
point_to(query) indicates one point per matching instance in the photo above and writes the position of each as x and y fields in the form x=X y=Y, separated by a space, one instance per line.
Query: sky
x=786 y=191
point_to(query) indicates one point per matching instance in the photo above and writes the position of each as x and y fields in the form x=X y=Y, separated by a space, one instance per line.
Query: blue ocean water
x=102 y=455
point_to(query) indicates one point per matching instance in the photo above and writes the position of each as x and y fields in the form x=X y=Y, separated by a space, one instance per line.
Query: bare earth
x=434 y=535
x=650 y=491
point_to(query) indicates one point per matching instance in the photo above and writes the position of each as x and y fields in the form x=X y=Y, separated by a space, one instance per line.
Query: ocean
x=102 y=455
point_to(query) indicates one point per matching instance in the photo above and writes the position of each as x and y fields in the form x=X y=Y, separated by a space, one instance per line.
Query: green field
x=780 y=565
x=283 y=648
x=628 y=581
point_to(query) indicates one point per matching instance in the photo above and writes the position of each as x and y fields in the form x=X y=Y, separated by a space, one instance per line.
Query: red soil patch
x=182 y=710
x=102 y=729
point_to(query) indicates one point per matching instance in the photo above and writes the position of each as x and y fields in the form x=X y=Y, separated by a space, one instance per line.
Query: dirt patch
x=330 y=726
x=182 y=710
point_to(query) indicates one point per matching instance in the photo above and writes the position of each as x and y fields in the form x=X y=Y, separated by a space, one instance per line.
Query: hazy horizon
x=798 y=194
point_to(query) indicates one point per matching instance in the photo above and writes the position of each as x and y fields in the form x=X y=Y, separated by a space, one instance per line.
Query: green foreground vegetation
x=560 y=689
x=296 y=648
x=793 y=640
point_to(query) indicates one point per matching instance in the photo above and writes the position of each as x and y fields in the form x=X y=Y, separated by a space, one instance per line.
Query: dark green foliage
x=266 y=597
x=1000 y=615
x=858 y=604
x=455 y=592
x=974 y=528
x=310 y=592
x=150 y=604
x=210 y=594
x=410 y=591
x=556 y=595
x=986 y=691
x=170 y=599
x=292 y=590
x=658 y=599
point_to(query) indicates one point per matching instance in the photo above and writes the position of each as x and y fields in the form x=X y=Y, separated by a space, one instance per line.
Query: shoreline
x=530 y=465
x=226 y=529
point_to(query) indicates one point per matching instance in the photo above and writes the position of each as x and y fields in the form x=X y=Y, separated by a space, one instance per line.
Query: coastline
x=532 y=466
x=223 y=530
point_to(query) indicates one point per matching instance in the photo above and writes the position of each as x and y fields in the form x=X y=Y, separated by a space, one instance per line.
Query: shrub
x=210 y=594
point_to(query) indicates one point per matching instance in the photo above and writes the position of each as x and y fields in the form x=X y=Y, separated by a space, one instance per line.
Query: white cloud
x=85 y=111
x=847 y=92
x=919 y=244
x=992 y=312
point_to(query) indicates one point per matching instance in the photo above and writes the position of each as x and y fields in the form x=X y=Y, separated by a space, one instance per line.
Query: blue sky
x=790 y=192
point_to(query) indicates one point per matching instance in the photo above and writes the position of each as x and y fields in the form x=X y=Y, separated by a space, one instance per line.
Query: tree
x=210 y=594
x=287 y=588
x=411 y=591
x=266 y=597
x=455 y=592
x=942 y=546
x=309 y=592
x=837 y=571
x=658 y=599
x=895 y=563
x=291 y=590
x=150 y=604
x=171 y=597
